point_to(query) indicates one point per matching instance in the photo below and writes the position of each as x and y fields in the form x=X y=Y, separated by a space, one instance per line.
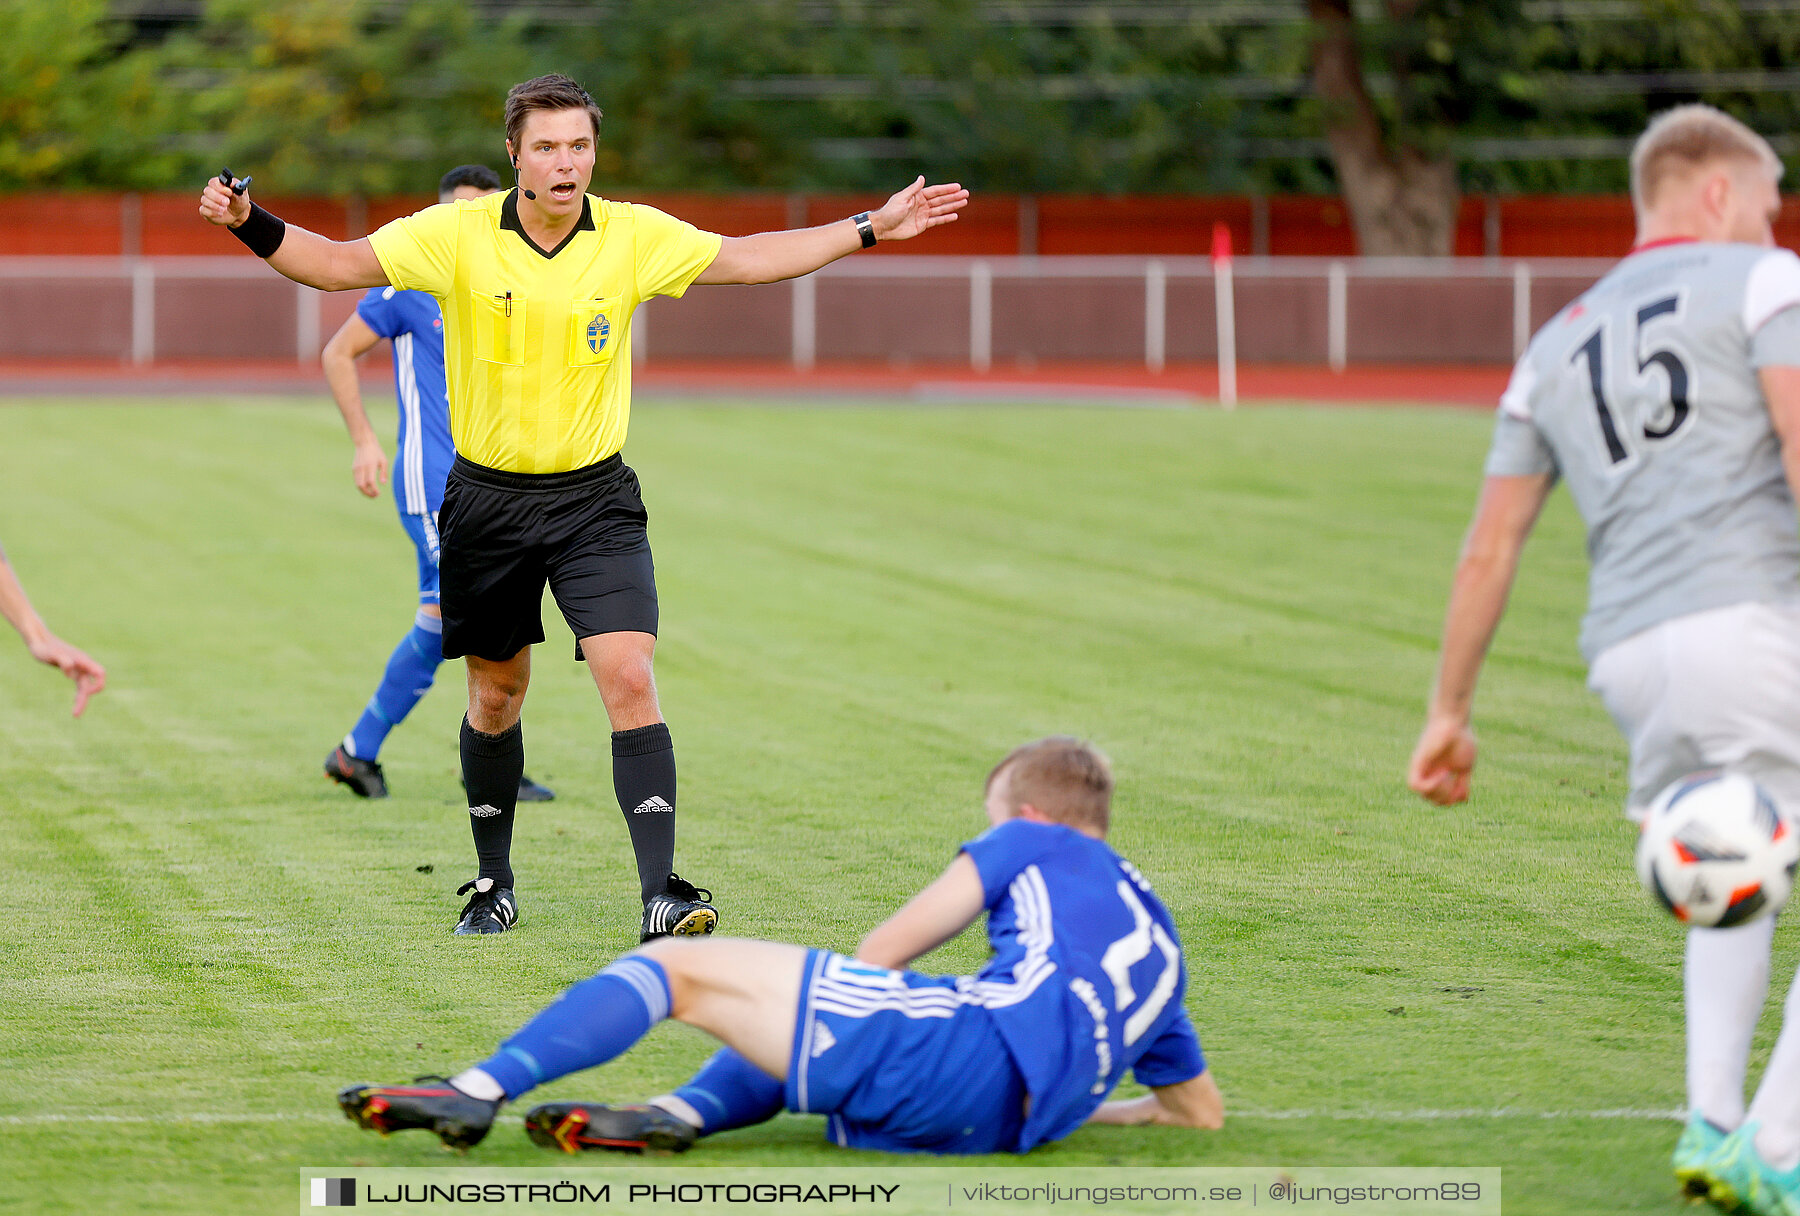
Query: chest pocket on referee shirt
x=593 y=331
x=499 y=326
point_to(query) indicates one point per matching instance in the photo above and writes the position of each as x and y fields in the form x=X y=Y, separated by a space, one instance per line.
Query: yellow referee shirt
x=537 y=342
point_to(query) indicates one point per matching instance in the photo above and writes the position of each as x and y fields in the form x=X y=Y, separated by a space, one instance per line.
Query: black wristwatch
x=865 y=229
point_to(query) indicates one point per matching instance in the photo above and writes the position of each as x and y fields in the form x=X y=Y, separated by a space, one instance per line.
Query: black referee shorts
x=504 y=535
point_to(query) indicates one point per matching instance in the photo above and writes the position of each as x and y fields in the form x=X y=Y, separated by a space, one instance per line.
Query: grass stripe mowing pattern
x=862 y=608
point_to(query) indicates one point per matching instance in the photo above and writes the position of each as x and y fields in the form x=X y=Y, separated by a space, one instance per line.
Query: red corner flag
x=1226 y=311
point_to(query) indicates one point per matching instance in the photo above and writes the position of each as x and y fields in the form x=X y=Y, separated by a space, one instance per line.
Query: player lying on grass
x=1086 y=982
x=45 y=646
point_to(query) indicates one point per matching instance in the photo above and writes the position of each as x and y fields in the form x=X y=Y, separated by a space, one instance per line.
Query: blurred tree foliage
x=373 y=96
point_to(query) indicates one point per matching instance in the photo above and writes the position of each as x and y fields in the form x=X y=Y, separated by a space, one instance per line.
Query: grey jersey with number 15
x=1643 y=396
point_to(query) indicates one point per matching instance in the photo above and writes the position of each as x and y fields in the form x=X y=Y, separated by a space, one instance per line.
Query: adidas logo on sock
x=484 y=811
x=651 y=805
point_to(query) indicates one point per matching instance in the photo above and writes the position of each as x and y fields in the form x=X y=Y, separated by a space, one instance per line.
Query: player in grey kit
x=1668 y=398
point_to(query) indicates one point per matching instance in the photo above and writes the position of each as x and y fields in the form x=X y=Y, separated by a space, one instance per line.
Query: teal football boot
x=1743 y=1180
x=1700 y=1140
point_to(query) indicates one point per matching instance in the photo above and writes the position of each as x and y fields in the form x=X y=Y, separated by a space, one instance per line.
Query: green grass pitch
x=863 y=607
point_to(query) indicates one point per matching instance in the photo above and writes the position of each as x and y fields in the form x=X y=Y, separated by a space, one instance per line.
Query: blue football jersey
x=1087 y=977
x=423 y=449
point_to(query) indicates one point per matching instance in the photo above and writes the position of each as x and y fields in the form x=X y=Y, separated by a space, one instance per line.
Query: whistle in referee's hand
x=238 y=186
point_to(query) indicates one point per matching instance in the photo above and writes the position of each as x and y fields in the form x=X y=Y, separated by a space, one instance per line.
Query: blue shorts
x=901 y=1062
x=423 y=531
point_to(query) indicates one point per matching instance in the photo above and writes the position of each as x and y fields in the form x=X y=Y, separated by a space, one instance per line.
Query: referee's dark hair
x=479 y=176
x=552 y=92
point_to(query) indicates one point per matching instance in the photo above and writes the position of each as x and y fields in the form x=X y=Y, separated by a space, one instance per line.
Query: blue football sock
x=409 y=675
x=729 y=1091
x=591 y=1022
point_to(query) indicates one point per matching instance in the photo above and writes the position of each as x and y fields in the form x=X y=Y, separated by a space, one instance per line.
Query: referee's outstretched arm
x=769 y=257
x=305 y=257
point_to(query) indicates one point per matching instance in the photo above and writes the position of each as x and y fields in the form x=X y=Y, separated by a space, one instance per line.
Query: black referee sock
x=644 y=780
x=491 y=767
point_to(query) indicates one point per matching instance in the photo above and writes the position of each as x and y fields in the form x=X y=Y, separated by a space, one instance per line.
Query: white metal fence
x=978 y=311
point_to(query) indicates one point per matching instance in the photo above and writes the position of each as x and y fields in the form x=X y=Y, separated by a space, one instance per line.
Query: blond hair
x=1687 y=138
x=1067 y=780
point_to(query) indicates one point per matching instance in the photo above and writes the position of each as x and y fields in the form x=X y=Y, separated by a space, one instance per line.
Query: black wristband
x=864 y=229
x=262 y=232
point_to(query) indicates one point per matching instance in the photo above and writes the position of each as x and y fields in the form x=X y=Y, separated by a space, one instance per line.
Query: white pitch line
x=31 y=1120
x=1355 y=1116
x=1433 y=1116
x=311 y=1116
x=34 y=1120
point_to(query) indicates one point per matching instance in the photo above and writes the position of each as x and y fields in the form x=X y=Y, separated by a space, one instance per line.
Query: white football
x=1716 y=851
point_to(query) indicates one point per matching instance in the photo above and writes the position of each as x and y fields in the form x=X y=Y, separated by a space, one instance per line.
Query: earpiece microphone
x=522 y=190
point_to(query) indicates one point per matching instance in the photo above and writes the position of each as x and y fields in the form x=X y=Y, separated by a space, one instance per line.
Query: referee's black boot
x=682 y=910
x=491 y=909
x=362 y=776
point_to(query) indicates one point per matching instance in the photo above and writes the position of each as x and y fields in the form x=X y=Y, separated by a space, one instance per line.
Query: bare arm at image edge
x=1781 y=388
x=45 y=646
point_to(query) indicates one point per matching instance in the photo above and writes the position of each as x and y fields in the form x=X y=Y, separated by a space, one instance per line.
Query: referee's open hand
x=917 y=208
x=220 y=204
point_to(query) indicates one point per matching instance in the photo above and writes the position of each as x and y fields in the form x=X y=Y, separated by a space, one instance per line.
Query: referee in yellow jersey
x=537 y=286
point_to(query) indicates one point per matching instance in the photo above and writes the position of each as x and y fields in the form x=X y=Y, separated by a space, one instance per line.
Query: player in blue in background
x=412 y=321
x=1086 y=983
